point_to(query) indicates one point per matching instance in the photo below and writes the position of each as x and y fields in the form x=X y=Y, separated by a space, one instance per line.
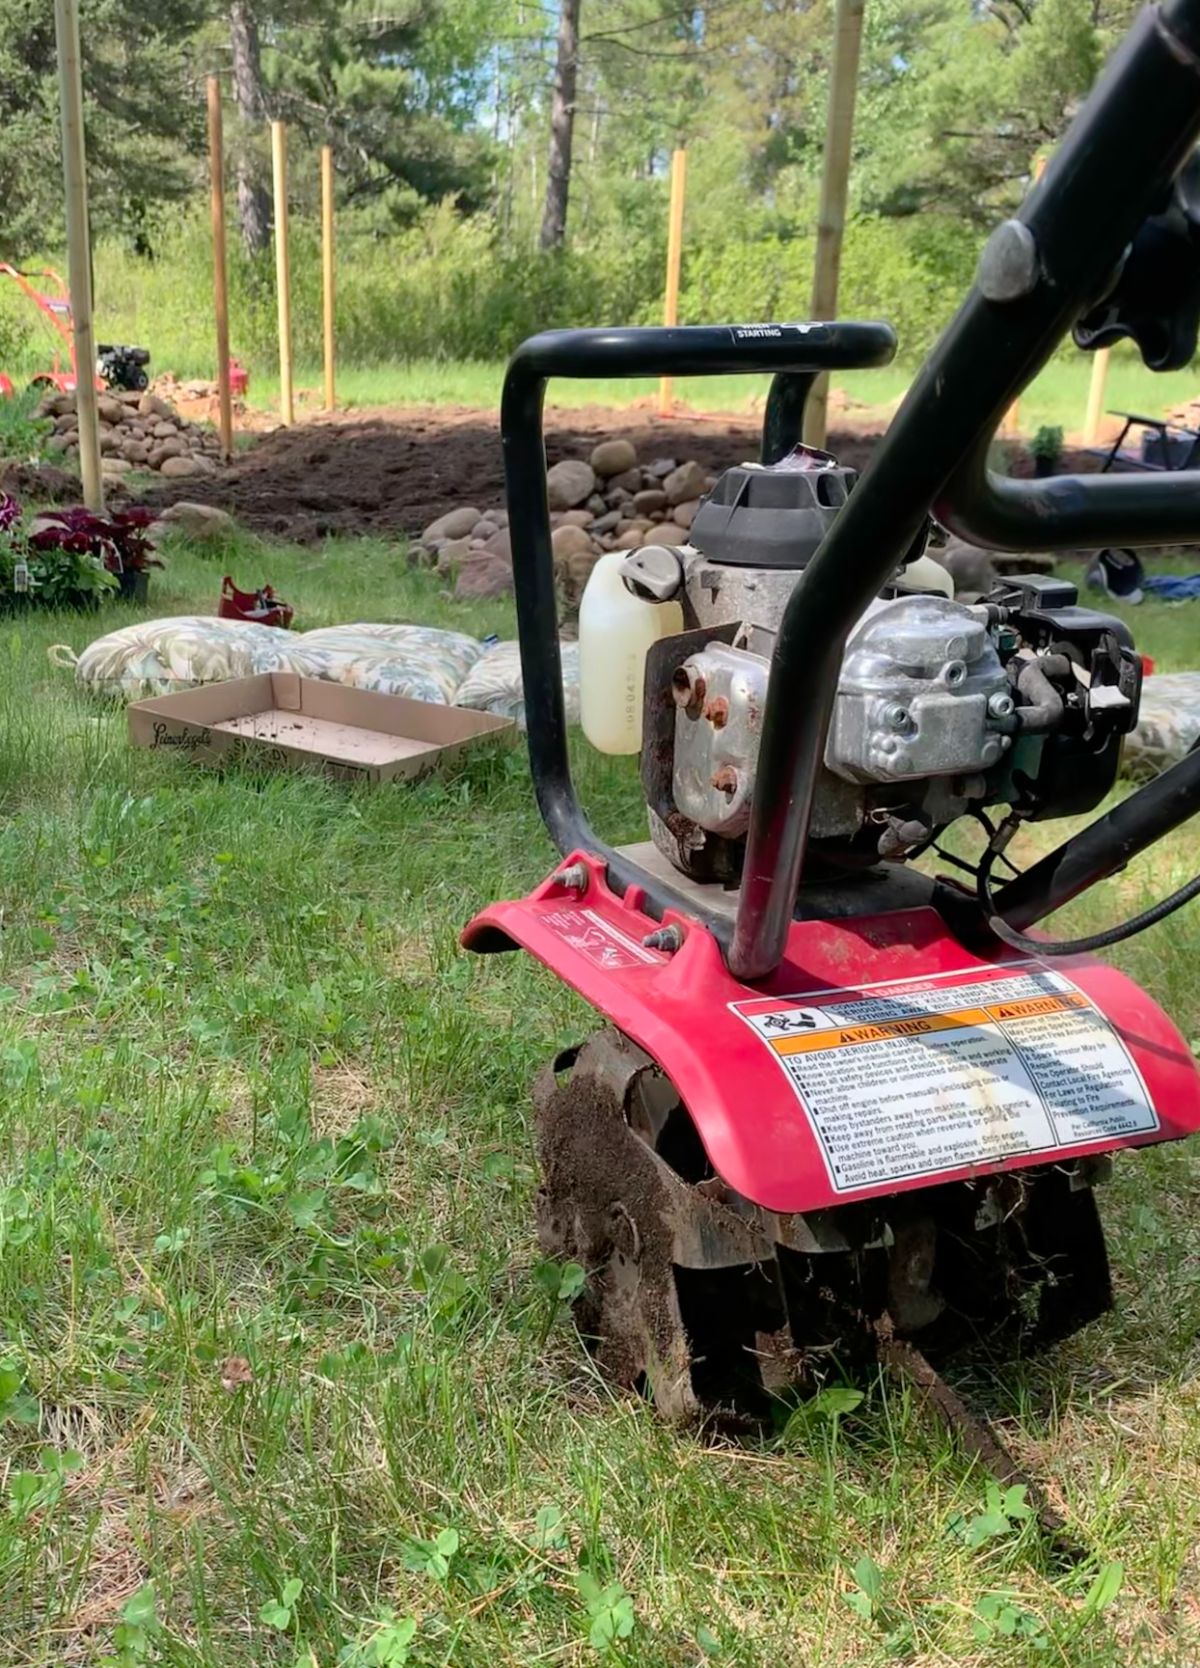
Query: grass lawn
x=282 y=1379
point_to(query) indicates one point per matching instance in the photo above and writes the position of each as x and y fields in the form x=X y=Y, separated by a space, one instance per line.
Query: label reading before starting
x=912 y=1078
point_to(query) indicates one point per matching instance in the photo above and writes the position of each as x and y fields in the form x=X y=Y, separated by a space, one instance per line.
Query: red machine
x=116 y=366
x=839 y=1101
x=55 y=308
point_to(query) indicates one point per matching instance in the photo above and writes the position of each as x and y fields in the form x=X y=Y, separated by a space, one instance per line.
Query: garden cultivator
x=841 y=1104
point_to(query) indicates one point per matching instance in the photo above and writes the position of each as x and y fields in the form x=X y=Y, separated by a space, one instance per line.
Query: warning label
x=598 y=940
x=917 y=1077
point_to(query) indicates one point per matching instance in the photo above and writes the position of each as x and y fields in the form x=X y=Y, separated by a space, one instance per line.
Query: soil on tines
x=396 y=471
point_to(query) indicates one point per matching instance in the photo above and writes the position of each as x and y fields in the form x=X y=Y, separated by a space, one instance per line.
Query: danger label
x=918 y=1077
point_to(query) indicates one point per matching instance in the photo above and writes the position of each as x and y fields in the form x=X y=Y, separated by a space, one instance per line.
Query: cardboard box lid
x=355 y=732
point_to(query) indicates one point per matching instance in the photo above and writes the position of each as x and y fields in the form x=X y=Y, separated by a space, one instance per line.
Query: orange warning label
x=918 y=1077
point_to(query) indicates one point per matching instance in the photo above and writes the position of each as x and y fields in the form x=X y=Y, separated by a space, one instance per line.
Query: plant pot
x=133 y=585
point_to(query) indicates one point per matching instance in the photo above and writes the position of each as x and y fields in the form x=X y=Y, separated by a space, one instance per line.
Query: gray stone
x=684 y=483
x=483 y=575
x=485 y=528
x=606 y=523
x=455 y=524
x=659 y=469
x=968 y=565
x=568 y=541
x=649 y=500
x=613 y=457
x=179 y=468
x=569 y=483
x=452 y=554
x=629 y=480
x=684 y=514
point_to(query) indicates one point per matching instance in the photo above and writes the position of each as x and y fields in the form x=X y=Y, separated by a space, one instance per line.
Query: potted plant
x=117 y=542
x=1047 y=449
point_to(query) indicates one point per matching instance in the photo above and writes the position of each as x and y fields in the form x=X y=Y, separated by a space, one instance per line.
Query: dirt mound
x=39 y=483
x=395 y=472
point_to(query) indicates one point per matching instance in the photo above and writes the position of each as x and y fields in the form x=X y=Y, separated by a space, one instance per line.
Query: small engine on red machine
x=840 y=1100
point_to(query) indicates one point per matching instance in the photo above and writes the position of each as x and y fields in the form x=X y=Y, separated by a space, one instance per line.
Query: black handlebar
x=796 y=353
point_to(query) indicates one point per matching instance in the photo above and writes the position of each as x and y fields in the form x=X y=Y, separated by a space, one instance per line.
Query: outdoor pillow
x=494 y=683
x=158 y=657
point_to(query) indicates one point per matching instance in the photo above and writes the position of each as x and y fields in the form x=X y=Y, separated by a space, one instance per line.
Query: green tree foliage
x=439 y=112
x=143 y=109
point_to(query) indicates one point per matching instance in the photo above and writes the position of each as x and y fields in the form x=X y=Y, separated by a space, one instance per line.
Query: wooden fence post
x=283 y=281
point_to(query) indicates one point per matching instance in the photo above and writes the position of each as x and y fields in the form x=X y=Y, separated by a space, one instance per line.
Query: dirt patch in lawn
x=393 y=471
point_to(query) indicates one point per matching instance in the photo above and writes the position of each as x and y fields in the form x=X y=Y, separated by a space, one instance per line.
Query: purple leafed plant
x=10 y=512
x=119 y=540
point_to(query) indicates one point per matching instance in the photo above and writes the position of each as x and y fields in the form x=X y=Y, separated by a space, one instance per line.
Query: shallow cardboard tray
x=283 y=719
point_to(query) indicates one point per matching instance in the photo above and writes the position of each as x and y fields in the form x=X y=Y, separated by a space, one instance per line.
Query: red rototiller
x=838 y=1101
x=116 y=367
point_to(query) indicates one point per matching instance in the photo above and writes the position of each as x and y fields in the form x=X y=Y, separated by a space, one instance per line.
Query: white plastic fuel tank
x=616 y=631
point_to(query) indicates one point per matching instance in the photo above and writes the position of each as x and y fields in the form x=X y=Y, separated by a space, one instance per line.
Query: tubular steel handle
x=795 y=353
x=1037 y=273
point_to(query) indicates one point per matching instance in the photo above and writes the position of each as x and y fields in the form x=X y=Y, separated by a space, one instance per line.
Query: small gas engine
x=941 y=708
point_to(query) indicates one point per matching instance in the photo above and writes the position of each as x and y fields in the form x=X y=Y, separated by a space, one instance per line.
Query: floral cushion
x=158 y=657
x=494 y=683
x=418 y=661
x=1168 y=723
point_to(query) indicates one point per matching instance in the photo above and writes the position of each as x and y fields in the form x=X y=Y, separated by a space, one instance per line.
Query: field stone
x=670 y=532
x=652 y=498
x=629 y=480
x=175 y=467
x=607 y=522
x=455 y=524
x=112 y=411
x=684 y=514
x=688 y=481
x=617 y=498
x=969 y=566
x=575 y=518
x=568 y=541
x=113 y=465
x=500 y=545
x=631 y=539
x=150 y=405
x=596 y=504
x=484 y=529
x=483 y=574
x=568 y=483
x=613 y=457
x=199 y=521
x=660 y=468
x=452 y=554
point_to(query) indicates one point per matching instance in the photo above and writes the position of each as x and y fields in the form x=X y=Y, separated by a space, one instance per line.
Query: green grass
x=257 y=1107
x=1059 y=396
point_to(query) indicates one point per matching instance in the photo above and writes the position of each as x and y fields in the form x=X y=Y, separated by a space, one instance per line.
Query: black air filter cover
x=772 y=517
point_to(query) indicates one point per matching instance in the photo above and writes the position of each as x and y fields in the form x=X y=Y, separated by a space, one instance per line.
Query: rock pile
x=608 y=502
x=137 y=431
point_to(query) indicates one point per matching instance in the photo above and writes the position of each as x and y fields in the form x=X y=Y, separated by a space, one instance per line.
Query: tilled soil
x=395 y=471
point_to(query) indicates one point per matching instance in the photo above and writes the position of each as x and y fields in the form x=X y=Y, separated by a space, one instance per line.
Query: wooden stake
x=79 y=253
x=216 y=162
x=666 y=397
x=835 y=188
x=283 y=281
x=1095 y=404
x=327 y=269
